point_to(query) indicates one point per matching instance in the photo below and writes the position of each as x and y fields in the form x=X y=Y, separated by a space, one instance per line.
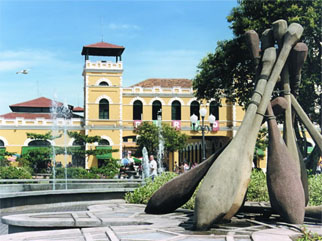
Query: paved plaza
x=116 y=220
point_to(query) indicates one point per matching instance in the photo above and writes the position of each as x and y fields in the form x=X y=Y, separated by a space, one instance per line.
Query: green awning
x=2 y=151
x=26 y=149
x=104 y=156
x=137 y=160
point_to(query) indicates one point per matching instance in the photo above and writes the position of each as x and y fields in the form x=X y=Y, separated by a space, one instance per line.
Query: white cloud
x=12 y=65
x=23 y=59
x=30 y=59
x=50 y=72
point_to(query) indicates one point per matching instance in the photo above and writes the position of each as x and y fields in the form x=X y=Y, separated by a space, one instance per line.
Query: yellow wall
x=120 y=123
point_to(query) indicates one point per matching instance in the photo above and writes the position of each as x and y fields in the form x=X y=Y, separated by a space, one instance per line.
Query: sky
x=162 y=39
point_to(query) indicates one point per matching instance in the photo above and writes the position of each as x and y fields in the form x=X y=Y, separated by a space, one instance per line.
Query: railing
x=10 y=186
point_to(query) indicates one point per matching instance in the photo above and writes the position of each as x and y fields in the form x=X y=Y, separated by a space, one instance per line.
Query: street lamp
x=203 y=127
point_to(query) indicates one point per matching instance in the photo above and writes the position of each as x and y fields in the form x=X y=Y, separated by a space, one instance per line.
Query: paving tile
x=120 y=221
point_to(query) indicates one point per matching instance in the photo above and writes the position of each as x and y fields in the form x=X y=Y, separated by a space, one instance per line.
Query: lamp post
x=203 y=127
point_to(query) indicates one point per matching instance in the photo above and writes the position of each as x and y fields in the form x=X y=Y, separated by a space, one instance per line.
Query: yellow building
x=112 y=111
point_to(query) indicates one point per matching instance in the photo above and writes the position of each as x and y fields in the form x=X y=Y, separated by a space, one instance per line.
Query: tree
x=38 y=158
x=229 y=70
x=174 y=140
x=3 y=157
x=80 y=150
x=148 y=136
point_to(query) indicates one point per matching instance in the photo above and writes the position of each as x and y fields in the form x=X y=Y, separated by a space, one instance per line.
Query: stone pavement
x=61 y=207
x=116 y=220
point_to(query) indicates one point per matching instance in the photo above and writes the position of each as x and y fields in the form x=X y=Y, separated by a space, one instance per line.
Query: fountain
x=59 y=111
x=161 y=144
x=145 y=161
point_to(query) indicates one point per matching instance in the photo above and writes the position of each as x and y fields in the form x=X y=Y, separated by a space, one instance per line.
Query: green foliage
x=173 y=139
x=142 y=194
x=81 y=141
x=80 y=138
x=149 y=137
x=44 y=137
x=308 y=235
x=315 y=190
x=38 y=159
x=109 y=169
x=9 y=172
x=75 y=173
x=261 y=143
x=3 y=154
x=257 y=188
x=228 y=70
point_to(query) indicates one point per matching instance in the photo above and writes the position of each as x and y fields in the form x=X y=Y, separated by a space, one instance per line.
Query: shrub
x=142 y=194
x=109 y=169
x=9 y=172
x=315 y=190
x=75 y=173
x=257 y=188
x=309 y=235
x=37 y=159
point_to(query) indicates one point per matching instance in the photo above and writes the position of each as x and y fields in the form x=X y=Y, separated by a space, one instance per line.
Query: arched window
x=103 y=142
x=104 y=109
x=214 y=109
x=156 y=107
x=39 y=143
x=1 y=143
x=194 y=109
x=176 y=110
x=103 y=83
x=137 y=110
x=78 y=157
x=100 y=159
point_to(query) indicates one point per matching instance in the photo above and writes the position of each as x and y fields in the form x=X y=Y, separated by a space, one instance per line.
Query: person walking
x=153 y=167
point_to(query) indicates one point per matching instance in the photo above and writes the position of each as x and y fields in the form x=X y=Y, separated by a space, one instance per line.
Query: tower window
x=103 y=83
x=176 y=110
x=137 y=110
x=156 y=107
x=104 y=109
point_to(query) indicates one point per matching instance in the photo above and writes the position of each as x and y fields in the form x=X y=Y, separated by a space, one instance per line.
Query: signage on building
x=176 y=124
x=136 y=123
x=215 y=126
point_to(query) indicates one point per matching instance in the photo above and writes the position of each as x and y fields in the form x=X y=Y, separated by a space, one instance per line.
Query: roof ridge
x=165 y=82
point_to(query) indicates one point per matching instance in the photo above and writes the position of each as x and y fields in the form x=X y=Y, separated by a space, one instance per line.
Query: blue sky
x=162 y=39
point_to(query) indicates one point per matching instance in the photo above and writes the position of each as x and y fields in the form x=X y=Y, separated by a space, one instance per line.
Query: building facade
x=112 y=112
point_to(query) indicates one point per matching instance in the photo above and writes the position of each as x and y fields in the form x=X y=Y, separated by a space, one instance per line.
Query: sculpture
x=224 y=186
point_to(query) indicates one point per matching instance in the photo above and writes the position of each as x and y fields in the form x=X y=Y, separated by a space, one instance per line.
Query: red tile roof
x=78 y=109
x=165 y=83
x=102 y=49
x=29 y=116
x=39 y=102
x=104 y=45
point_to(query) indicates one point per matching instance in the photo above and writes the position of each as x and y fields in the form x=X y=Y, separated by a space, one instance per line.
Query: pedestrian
x=186 y=167
x=153 y=167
